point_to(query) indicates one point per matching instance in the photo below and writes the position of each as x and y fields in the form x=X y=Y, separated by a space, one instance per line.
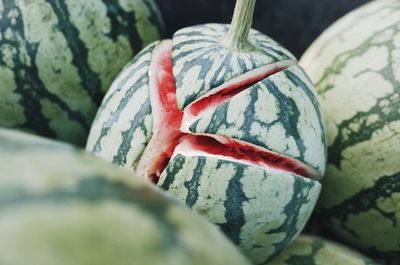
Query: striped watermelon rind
x=119 y=119
x=260 y=211
x=186 y=109
x=125 y=124
x=58 y=58
x=355 y=65
x=198 y=55
x=62 y=206
x=282 y=115
x=312 y=250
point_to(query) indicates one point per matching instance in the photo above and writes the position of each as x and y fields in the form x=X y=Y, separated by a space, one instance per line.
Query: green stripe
x=90 y=80
x=173 y=168
x=301 y=192
x=193 y=184
x=218 y=119
x=300 y=84
x=138 y=121
x=29 y=84
x=365 y=200
x=117 y=14
x=341 y=60
x=288 y=115
x=26 y=88
x=208 y=54
x=386 y=108
x=123 y=104
x=235 y=197
x=115 y=115
x=126 y=78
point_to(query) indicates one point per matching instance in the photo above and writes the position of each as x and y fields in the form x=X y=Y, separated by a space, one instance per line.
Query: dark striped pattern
x=280 y=113
x=201 y=64
x=367 y=199
x=89 y=78
x=235 y=197
x=261 y=210
x=245 y=201
x=58 y=57
x=58 y=203
x=116 y=13
x=355 y=65
x=125 y=115
x=311 y=250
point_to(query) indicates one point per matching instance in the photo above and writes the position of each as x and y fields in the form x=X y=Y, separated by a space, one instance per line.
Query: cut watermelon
x=169 y=131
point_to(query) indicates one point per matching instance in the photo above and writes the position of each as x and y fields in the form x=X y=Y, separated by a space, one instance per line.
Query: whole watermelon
x=312 y=250
x=59 y=57
x=60 y=206
x=230 y=126
x=356 y=67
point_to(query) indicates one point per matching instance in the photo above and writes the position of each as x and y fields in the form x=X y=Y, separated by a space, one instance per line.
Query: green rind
x=280 y=113
x=355 y=65
x=58 y=57
x=125 y=116
x=311 y=250
x=62 y=206
x=201 y=63
x=261 y=211
x=122 y=131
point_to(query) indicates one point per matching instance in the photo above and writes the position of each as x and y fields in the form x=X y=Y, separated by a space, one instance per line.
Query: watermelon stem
x=238 y=34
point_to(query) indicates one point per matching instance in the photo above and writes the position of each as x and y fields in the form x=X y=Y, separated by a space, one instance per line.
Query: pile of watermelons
x=226 y=148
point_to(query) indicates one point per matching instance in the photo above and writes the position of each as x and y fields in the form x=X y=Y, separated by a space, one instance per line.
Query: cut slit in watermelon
x=171 y=138
x=239 y=151
x=225 y=92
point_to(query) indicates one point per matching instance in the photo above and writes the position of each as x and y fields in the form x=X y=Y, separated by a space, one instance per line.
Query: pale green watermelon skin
x=280 y=114
x=122 y=128
x=61 y=206
x=260 y=211
x=199 y=57
x=312 y=250
x=59 y=57
x=356 y=68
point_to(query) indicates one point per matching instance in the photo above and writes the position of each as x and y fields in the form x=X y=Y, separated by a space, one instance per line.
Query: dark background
x=293 y=23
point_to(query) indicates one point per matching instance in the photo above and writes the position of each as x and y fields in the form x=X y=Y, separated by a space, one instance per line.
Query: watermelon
x=58 y=58
x=224 y=119
x=356 y=67
x=312 y=250
x=61 y=206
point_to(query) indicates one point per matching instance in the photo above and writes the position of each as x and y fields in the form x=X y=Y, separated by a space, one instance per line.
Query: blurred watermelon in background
x=293 y=23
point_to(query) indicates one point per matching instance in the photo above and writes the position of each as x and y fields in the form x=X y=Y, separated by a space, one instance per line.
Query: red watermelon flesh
x=170 y=125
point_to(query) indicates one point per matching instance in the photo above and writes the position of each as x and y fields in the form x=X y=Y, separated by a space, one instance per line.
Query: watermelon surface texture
x=58 y=58
x=311 y=250
x=356 y=68
x=233 y=129
x=61 y=206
